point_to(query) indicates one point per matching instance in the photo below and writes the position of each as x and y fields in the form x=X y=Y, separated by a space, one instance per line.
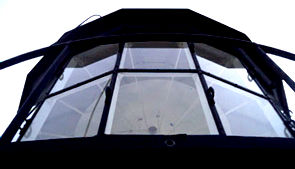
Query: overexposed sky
x=33 y=24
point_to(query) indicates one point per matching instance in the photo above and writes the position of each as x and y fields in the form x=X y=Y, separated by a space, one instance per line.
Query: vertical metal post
x=109 y=92
x=207 y=91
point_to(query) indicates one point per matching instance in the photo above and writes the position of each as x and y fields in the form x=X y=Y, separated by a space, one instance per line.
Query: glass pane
x=159 y=103
x=75 y=113
x=290 y=96
x=87 y=65
x=224 y=65
x=244 y=114
x=157 y=55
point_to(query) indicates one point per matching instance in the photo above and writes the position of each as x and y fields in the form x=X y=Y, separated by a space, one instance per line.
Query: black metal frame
x=210 y=99
x=21 y=116
x=99 y=40
x=110 y=92
x=35 y=111
x=116 y=70
x=34 y=97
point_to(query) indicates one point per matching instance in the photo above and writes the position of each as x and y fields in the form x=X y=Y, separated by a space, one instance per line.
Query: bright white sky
x=33 y=24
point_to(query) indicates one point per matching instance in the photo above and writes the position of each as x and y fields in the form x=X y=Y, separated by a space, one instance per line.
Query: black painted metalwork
x=163 y=70
x=88 y=36
x=233 y=84
x=206 y=89
x=110 y=91
x=79 y=84
x=32 y=98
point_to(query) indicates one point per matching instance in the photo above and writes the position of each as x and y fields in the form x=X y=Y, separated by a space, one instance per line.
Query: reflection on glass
x=75 y=113
x=290 y=96
x=86 y=65
x=224 y=65
x=244 y=114
x=157 y=55
x=159 y=103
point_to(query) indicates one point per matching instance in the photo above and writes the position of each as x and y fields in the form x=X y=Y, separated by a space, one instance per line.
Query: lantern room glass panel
x=224 y=65
x=245 y=114
x=87 y=65
x=159 y=104
x=74 y=113
x=157 y=55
